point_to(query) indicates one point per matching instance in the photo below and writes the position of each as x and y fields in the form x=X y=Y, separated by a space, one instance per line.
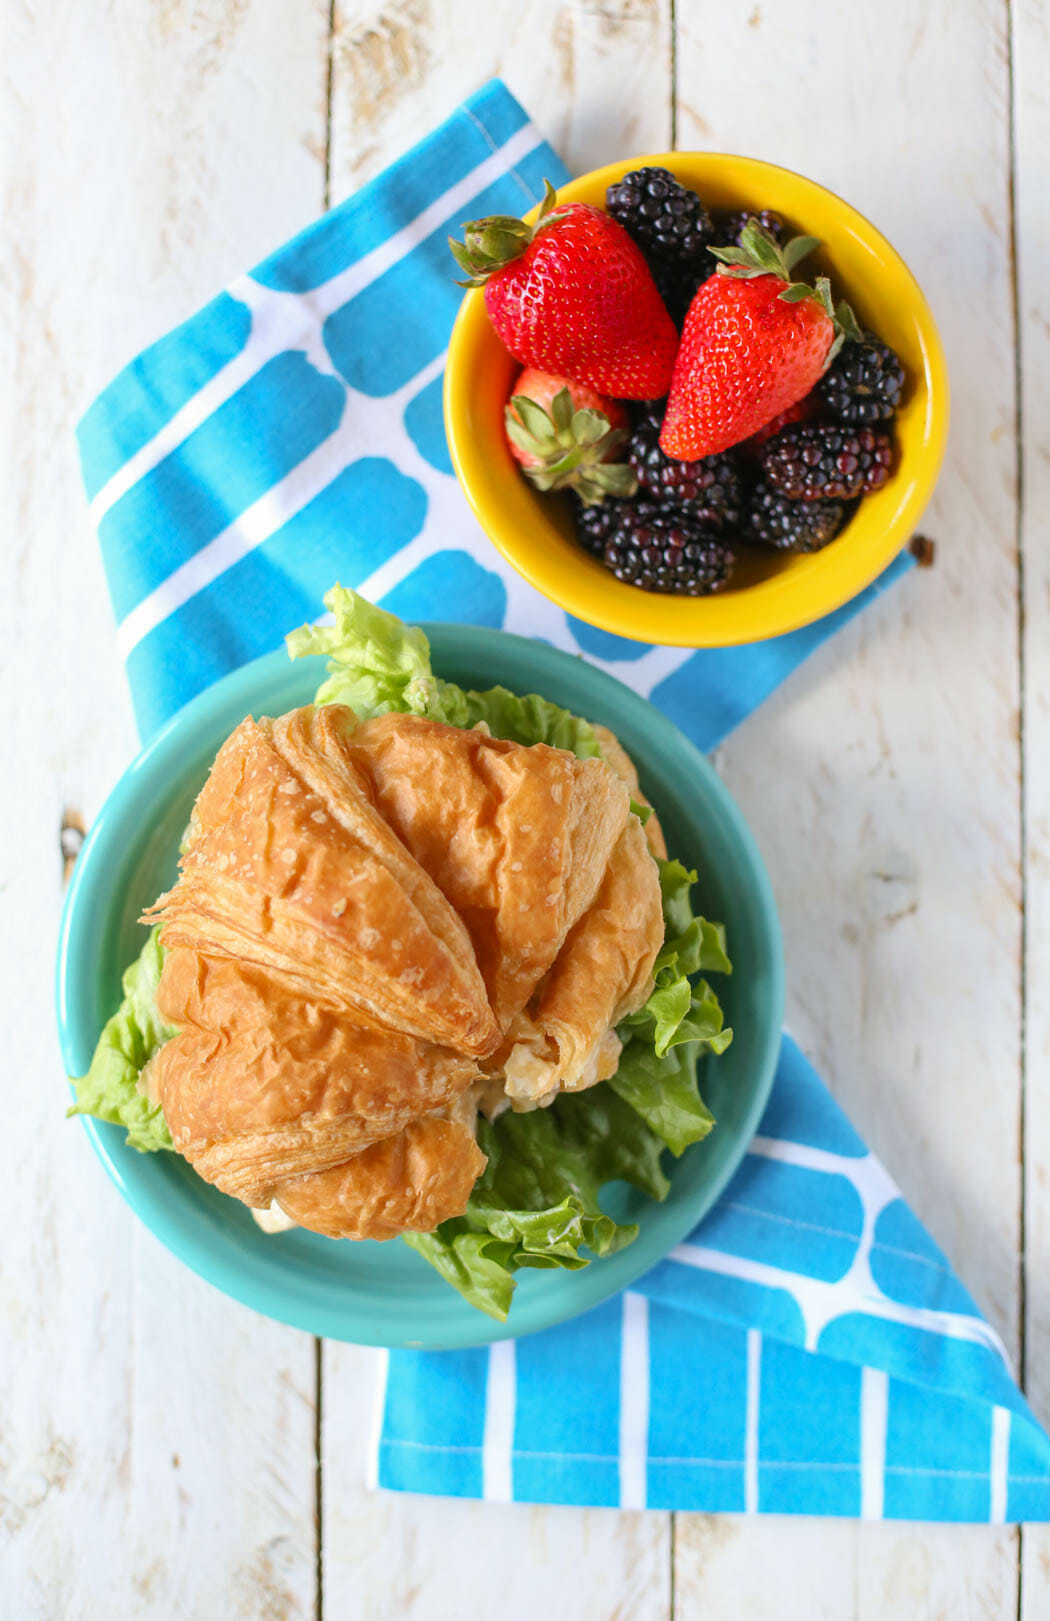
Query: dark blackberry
x=661 y=550
x=728 y=227
x=677 y=283
x=663 y=216
x=595 y=524
x=655 y=547
x=812 y=462
x=864 y=383
x=791 y=526
x=710 y=491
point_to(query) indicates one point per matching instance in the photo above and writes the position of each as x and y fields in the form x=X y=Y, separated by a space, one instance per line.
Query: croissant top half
x=372 y=921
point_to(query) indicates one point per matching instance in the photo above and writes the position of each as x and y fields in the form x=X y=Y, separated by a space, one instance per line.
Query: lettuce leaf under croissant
x=110 y=1089
x=537 y=1202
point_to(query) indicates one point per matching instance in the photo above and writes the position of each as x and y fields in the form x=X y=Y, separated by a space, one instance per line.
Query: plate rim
x=602 y=1278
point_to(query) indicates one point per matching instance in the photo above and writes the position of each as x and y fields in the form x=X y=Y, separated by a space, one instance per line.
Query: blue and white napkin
x=808 y=1349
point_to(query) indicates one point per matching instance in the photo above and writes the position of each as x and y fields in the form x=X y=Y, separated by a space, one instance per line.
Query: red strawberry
x=563 y=434
x=753 y=344
x=572 y=294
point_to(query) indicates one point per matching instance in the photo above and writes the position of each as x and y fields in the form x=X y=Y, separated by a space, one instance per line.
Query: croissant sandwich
x=402 y=955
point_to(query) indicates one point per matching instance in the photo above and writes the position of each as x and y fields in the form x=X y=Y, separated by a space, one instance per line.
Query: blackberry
x=677 y=283
x=729 y=226
x=710 y=491
x=811 y=462
x=655 y=548
x=595 y=524
x=665 y=219
x=791 y=526
x=864 y=383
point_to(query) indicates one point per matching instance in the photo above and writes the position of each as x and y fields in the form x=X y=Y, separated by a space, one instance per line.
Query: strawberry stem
x=492 y=243
x=568 y=448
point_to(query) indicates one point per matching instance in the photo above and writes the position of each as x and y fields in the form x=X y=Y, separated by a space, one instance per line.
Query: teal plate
x=384 y=1294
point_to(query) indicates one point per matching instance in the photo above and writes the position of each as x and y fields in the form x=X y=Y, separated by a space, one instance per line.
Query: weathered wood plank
x=882 y=785
x=594 y=77
x=597 y=81
x=157 y=1455
x=815 y=1570
x=1031 y=65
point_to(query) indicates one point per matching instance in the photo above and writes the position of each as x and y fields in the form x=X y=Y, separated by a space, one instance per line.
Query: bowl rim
x=245 y=1277
x=627 y=611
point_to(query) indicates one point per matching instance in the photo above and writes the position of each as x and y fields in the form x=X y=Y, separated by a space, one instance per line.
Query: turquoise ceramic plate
x=383 y=1294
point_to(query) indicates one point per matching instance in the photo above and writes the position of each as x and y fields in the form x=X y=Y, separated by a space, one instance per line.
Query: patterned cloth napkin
x=808 y=1349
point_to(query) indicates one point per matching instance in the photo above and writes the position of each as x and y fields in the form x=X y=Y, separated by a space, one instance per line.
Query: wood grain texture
x=814 y=1570
x=595 y=77
x=882 y=781
x=157 y=1448
x=1031 y=60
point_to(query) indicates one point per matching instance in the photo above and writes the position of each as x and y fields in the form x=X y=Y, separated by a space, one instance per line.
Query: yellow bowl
x=768 y=595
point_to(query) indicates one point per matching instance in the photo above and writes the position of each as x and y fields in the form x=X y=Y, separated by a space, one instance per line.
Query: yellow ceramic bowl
x=768 y=595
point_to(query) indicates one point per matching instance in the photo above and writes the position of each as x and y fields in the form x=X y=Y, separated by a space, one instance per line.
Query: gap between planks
x=674 y=142
x=319 y=1476
x=326 y=197
x=1022 y=700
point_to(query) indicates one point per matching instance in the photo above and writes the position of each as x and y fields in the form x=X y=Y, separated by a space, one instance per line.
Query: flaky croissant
x=375 y=924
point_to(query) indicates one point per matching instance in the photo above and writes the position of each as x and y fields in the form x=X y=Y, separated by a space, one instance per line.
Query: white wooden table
x=165 y=1453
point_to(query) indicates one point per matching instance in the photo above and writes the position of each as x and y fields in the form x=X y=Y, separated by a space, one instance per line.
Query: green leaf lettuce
x=110 y=1090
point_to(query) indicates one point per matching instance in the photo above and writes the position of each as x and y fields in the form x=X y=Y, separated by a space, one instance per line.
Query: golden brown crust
x=603 y=972
x=405 y=1184
x=262 y=1084
x=369 y=920
x=290 y=865
x=617 y=757
x=517 y=839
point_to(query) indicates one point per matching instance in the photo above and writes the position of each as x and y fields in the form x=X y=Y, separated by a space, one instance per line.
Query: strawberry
x=753 y=344
x=542 y=386
x=563 y=434
x=572 y=295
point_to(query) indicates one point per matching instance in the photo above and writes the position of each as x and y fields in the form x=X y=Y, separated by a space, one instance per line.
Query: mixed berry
x=815 y=462
x=665 y=219
x=657 y=546
x=689 y=392
x=710 y=490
